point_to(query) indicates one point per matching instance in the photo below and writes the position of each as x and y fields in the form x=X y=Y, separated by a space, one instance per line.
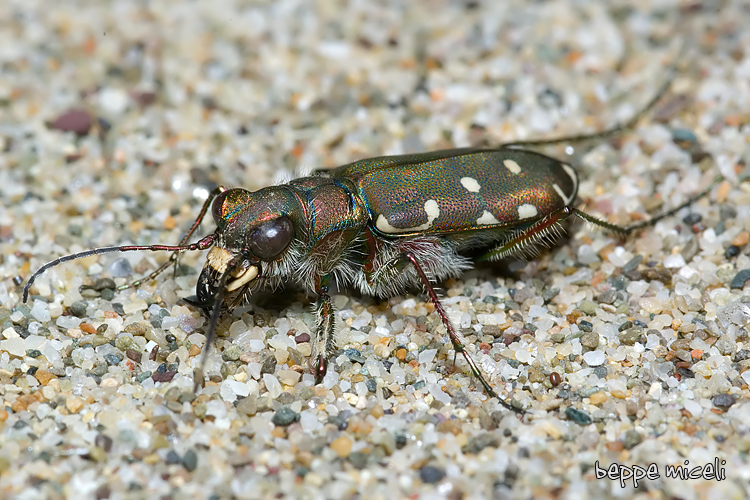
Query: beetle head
x=253 y=229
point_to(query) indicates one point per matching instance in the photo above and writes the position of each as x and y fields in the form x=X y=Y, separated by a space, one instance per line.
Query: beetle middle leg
x=175 y=255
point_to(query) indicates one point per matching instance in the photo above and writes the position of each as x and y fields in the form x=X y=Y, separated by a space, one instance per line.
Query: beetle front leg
x=325 y=332
x=457 y=345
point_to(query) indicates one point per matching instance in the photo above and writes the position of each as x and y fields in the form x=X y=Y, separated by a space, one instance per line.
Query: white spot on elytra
x=511 y=165
x=526 y=211
x=487 y=219
x=432 y=210
x=559 y=190
x=470 y=184
x=572 y=173
x=573 y=179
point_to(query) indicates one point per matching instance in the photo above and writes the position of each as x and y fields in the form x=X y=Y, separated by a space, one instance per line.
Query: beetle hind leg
x=458 y=347
x=526 y=242
x=544 y=231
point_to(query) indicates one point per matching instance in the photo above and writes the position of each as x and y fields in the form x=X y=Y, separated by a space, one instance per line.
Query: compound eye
x=217 y=206
x=270 y=238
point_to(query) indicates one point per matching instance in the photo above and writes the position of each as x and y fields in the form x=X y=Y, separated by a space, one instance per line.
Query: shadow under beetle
x=382 y=225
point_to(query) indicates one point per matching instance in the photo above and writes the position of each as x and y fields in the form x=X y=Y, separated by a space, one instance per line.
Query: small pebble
x=163 y=377
x=43 y=376
x=608 y=296
x=549 y=294
x=284 y=416
x=631 y=336
x=431 y=475
x=691 y=249
x=104 y=284
x=598 y=398
x=632 y=439
x=113 y=359
x=342 y=446
x=172 y=457
x=79 y=308
x=492 y=330
x=594 y=358
x=248 y=405
x=692 y=218
x=269 y=365
x=740 y=278
x=632 y=264
x=104 y=442
x=354 y=355
x=75 y=120
x=190 y=461
x=683 y=135
x=731 y=252
x=233 y=353
x=741 y=239
x=577 y=416
x=536 y=374
x=588 y=307
x=557 y=338
x=75 y=404
x=725 y=346
x=590 y=340
x=724 y=401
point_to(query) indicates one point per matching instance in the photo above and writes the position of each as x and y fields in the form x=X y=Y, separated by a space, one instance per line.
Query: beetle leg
x=537 y=233
x=550 y=226
x=175 y=255
x=458 y=347
x=617 y=128
x=325 y=334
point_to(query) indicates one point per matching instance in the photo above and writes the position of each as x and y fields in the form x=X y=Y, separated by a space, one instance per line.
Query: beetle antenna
x=617 y=128
x=649 y=222
x=199 y=245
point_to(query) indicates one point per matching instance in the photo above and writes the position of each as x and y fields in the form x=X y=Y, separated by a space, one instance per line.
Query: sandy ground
x=628 y=356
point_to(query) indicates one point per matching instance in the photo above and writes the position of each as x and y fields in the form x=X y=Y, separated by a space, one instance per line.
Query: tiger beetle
x=382 y=225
